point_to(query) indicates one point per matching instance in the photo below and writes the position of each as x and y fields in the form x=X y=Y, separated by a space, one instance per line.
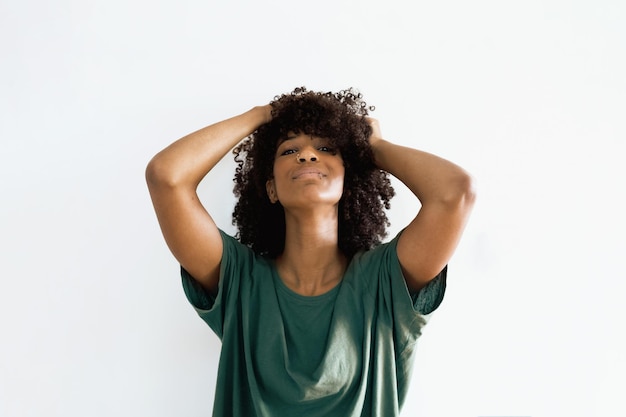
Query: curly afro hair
x=340 y=118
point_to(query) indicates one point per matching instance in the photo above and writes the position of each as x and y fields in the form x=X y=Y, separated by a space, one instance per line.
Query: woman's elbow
x=462 y=191
x=157 y=174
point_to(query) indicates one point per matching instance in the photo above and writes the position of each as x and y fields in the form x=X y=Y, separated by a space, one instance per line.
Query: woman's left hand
x=446 y=196
x=376 y=133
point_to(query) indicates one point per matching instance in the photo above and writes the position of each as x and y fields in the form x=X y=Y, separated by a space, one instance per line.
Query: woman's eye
x=288 y=152
x=326 y=149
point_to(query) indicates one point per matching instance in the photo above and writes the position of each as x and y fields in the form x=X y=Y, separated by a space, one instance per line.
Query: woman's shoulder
x=377 y=253
x=241 y=254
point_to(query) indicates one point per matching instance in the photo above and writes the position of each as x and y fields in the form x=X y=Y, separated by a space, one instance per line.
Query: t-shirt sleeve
x=408 y=312
x=426 y=300
x=211 y=307
x=392 y=281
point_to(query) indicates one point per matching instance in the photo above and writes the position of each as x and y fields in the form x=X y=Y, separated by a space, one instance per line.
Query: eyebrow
x=290 y=136
x=281 y=141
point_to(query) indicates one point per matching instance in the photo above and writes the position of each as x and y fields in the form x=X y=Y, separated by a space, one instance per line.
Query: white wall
x=527 y=95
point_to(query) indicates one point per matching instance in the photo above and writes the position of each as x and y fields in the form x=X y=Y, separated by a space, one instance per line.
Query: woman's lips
x=307 y=173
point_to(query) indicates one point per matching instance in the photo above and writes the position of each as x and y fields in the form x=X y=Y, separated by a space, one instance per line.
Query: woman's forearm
x=432 y=179
x=185 y=162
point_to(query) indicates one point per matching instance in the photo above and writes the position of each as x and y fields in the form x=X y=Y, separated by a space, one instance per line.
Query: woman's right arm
x=173 y=176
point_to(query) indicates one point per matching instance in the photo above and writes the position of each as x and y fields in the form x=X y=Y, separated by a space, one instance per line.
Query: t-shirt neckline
x=309 y=299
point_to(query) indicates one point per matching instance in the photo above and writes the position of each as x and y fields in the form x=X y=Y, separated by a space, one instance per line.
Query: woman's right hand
x=267 y=111
x=173 y=176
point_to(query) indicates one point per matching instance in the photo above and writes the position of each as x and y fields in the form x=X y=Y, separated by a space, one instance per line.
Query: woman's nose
x=306 y=155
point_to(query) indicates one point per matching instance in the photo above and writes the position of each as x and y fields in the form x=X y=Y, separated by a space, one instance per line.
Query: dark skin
x=307 y=181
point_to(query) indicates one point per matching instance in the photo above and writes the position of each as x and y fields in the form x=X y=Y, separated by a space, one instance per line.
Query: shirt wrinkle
x=347 y=352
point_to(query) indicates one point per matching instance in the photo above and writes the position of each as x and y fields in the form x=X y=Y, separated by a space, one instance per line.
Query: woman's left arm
x=446 y=193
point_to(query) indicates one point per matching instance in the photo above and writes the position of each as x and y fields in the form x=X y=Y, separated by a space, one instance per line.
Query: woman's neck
x=311 y=263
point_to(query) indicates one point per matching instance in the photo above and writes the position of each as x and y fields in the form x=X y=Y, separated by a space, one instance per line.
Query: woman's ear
x=271 y=191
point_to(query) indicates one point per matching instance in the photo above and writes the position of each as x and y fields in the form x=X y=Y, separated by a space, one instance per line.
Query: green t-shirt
x=347 y=352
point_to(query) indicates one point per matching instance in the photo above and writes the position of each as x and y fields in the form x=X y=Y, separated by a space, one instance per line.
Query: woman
x=316 y=316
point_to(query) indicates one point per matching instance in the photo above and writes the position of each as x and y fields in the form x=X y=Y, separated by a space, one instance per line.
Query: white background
x=529 y=96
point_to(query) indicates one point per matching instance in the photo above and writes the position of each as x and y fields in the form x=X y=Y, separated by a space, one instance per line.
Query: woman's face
x=308 y=171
